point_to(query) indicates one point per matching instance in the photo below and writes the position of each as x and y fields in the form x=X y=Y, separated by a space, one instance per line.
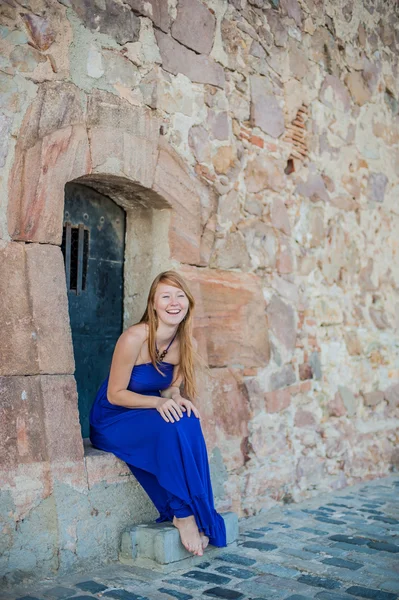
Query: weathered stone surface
x=349 y=400
x=112 y=18
x=198 y=140
x=194 y=26
x=285 y=258
x=293 y=10
x=5 y=129
x=230 y=403
x=56 y=105
x=219 y=124
x=334 y=94
x=304 y=418
x=379 y=318
x=61 y=418
x=156 y=10
x=314 y=188
x=352 y=342
x=278 y=400
x=279 y=216
x=231 y=253
x=22 y=439
x=373 y=398
x=360 y=92
x=40 y=30
x=261 y=242
x=224 y=159
x=377 y=184
x=37 y=184
x=116 y=131
x=266 y=112
x=178 y=59
x=336 y=406
x=240 y=336
x=278 y=30
x=391 y=394
x=18 y=353
x=282 y=322
x=264 y=173
x=173 y=182
x=25 y=59
x=229 y=207
x=48 y=296
x=286 y=376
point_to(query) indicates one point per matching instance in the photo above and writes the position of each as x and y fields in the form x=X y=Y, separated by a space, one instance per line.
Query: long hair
x=188 y=356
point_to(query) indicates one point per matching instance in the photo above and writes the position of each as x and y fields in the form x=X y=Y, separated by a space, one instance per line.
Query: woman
x=140 y=415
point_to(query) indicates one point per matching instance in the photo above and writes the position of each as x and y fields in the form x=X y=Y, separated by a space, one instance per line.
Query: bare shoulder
x=134 y=336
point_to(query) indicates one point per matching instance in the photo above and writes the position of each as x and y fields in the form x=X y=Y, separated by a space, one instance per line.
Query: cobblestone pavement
x=338 y=546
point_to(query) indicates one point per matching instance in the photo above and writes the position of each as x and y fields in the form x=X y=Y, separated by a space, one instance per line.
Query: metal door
x=93 y=246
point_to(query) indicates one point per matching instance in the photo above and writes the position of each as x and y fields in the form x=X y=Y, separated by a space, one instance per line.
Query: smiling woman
x=140 y=415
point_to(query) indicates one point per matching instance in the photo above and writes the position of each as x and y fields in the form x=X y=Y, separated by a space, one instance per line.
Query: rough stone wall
x=270 y=130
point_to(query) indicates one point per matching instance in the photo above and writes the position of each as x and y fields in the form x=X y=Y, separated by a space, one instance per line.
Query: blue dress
x=169 y=460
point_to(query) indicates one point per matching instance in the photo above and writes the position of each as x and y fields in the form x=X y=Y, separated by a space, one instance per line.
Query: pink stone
x=18 y=350
x=264 y=173
x=279 y=216
x=336 y=407
x=303 y=418
x=373 y=398
x=178 y=187
x=60 y=403
x=334 y=94
x=230 y=322
x=48 y=295
x=278 y=400
x=266 y=112
x=282 y=322
x=305 y=371
x=194 y=26
x=197 y=67
x=198 y=140
x=40 y=30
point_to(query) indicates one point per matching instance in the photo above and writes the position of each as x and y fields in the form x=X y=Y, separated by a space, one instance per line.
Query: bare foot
x=189 y=534
x=204 y=540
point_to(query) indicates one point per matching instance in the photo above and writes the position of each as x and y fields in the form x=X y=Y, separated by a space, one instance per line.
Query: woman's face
x=170 y=303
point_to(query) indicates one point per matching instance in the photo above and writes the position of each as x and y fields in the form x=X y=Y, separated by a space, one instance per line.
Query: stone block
x=334 y=94
x=348 y=399
x=373 y=398
x=111 y=18
x=266 y=111
x=174 y=183
x=194 y=26
x=230 y=317
x=161 y=542
x=264 y=173
x=278 y=400
x=282 y=322
x=49 y=302
x=18 y=352
x=61 y=418
x=22 y=439
x=391 y=394
x=197 y=67
x=37 y=183
x=358 y=88
x=376 y=187
x=156 y=10
x=123 y=138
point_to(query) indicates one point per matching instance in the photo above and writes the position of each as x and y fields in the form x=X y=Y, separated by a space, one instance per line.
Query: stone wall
x=255 y=147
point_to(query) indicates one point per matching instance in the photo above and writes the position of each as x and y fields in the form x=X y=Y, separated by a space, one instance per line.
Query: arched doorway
x=93 y=246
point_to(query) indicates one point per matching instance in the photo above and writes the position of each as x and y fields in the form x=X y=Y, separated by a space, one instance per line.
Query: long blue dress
x=169 y=460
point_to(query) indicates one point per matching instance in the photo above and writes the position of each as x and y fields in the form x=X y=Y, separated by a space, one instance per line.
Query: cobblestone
x=293 y=559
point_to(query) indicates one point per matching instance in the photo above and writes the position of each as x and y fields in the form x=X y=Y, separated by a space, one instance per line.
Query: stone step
x=160 y=542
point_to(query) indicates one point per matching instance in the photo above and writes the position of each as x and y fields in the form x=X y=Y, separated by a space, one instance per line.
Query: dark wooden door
x=93 y=246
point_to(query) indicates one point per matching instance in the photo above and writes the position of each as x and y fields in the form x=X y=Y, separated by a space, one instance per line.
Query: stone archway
x=106 y=143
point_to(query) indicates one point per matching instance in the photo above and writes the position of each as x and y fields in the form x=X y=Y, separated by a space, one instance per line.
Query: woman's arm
x=125 y=355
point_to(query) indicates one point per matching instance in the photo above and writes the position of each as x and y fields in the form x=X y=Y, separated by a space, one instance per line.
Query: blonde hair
x=189 y=358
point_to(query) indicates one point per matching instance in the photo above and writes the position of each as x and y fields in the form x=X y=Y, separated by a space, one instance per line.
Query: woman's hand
x=169 y=410
x=188 y=406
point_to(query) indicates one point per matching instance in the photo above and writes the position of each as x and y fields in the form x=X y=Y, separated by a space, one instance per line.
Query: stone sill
x=104 y=466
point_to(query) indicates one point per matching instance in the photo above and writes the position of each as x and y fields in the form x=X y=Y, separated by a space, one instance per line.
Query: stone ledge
x=160 y=544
